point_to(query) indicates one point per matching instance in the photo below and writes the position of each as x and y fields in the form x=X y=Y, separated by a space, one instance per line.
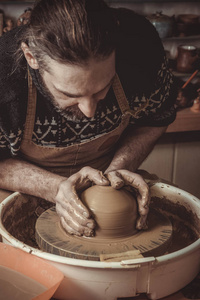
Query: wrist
x=121 y=163
x=51 y=187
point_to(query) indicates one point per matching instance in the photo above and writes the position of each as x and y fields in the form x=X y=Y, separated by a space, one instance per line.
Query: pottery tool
x=191 y=77
x=133 y=254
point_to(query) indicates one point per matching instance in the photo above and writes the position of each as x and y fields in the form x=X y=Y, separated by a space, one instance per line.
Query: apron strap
x=31 y=109
x=120 y=95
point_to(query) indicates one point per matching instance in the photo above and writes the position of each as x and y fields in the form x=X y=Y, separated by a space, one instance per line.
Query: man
x=83 y=100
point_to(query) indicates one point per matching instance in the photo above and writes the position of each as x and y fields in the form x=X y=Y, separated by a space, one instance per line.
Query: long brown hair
x=70 y=31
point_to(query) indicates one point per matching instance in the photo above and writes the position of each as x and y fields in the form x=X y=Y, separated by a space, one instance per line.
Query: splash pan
x=157 y=276
x=24 y=276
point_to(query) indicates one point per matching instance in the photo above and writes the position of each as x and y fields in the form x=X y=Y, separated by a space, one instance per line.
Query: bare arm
x=135 y=147
x=24 y=177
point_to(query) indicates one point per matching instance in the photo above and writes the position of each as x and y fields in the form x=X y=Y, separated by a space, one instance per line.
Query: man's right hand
x=75 y=217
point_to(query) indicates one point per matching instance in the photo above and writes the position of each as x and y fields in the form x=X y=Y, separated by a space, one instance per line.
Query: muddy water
x=16 y=286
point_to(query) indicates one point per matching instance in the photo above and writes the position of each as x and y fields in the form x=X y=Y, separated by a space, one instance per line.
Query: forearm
x=18 y=175
x=134 y=147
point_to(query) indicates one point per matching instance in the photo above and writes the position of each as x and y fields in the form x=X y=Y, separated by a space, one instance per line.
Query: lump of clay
x=115 y=211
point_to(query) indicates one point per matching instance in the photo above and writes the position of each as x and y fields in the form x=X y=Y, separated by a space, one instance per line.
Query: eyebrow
x=80 y=95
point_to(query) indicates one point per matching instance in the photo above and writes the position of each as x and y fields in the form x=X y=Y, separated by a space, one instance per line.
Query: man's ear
x=31 y=60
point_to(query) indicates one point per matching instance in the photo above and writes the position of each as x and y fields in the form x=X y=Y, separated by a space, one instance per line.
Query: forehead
x=96 y=72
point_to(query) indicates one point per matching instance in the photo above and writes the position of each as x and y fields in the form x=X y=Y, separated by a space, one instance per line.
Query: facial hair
x=71 y=113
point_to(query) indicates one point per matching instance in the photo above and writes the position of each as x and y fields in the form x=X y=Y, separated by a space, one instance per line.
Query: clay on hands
x=75 y=217
x=119 y=178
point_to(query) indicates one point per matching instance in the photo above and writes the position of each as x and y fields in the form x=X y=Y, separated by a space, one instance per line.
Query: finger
x=68 y=197
x=94 y=176
x=136 y=181
x=68 y=228
x=72 y=205
x=143 y=199
x=85 y=227
x=143 y=209
x=75 y=229
x=115 y=179
x=142 y=223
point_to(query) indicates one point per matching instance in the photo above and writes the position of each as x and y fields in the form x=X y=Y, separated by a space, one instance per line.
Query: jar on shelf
x=163 y=24
x=187 y=58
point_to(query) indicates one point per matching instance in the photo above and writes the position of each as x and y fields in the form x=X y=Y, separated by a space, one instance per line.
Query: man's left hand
x=120 y=178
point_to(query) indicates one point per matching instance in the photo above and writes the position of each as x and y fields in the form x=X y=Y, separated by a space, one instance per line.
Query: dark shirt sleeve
x=143 y=71
x=4 y=146
x=13 y=94
x=158 y=108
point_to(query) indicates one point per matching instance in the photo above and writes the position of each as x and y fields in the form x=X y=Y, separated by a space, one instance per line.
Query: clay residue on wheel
x=186 y=224
x=20 y=215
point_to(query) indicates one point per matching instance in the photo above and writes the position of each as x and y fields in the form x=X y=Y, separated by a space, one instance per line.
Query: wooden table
x=186 y=120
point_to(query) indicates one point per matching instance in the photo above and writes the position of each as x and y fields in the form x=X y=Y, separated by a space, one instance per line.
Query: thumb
x=95 y=176
x=115 y=179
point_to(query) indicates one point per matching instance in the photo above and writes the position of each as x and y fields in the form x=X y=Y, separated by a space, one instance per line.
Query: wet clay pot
x=115 y=211
x=187 y=56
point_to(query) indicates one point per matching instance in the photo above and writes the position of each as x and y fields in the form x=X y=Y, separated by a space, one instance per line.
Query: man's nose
x=88 y=107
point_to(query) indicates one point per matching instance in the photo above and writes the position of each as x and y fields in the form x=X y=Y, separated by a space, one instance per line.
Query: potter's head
x=72 y=45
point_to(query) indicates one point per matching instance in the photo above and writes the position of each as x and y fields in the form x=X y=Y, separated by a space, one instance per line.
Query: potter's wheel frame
x=131 y=275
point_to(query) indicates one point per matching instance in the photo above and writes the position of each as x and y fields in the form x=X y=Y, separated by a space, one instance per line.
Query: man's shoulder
x=139 y=50
x=9 y=43
x=9 y=39
x=132 y=23
x=137 y=41
x=12 y=79
x=13 y=83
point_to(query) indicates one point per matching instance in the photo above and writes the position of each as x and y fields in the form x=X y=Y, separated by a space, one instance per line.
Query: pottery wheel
x=52 y=238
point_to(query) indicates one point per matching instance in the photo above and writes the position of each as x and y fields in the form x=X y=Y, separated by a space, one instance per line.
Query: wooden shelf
x=182 y=38
x=186 y=120
x=178 y=74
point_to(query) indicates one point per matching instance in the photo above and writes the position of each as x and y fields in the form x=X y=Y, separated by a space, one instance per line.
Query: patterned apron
x=65 y=161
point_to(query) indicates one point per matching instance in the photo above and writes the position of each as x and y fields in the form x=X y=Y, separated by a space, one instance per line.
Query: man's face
x=76 y=90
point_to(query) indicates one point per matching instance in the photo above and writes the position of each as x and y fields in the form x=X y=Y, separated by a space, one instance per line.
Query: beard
x=71 y=113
